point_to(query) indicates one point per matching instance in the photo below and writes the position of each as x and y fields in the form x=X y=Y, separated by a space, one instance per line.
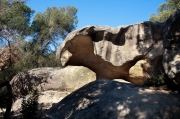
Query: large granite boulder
x=115 y=47
x=106 y=99
x=171 y=56
x=67 y=79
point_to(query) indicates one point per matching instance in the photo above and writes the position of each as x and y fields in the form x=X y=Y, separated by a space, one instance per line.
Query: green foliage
x=46 y=30
x=156 y=79
x=7 y=74
x=165 y=10
x=29 y=106
x=36 y=42
x=14 y=17
x=52 y=25
x=161 y=17
x=32 y=60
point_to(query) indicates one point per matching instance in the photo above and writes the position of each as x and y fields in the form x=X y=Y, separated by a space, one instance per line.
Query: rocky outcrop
x=104 y=99
x=171 y=56
x=115 y=47
x=67 y=79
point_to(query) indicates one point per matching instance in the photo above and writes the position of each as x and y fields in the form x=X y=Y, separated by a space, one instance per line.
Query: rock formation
x=171 y=56
x=132 y=53
x=107 y=48
x=104 y=99
x=67 y=79
x=103 y=69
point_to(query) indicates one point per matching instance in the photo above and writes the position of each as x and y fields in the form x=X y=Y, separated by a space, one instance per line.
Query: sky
x=104 y=12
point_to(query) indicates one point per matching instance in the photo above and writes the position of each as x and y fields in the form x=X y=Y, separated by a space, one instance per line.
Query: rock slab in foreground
x=104 y=99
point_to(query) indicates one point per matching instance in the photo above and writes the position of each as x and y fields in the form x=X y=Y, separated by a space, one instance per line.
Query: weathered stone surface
x=84 y=56
x=137 y=69
x=171 y=56
x=46 y=100
x=66 y=79
x=104 y=99
x=116 y=46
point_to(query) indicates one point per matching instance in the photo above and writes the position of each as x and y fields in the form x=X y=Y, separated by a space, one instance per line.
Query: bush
x=156 y=79
x=29 y=106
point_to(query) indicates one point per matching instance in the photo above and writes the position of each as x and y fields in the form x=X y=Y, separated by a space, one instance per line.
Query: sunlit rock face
x=57 y=79
x=116 y=46
x=106 y=99
x=171 y=56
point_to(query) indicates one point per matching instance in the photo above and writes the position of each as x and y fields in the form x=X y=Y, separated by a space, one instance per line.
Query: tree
x=25 y=45
x=15 y=18
x=54 y=24
x=34 y=44
x=14 y=21
x=8 y=99
x=165 y=10
x=46 y=31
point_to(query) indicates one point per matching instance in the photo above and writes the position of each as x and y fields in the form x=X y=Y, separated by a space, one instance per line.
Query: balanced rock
x=106 y=99
x=107 y=48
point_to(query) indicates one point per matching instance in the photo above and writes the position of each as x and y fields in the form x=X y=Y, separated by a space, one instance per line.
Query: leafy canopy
x=26 y=42
x=54 y=24
x=165 y=10
x=15 y=18
x=46 y=31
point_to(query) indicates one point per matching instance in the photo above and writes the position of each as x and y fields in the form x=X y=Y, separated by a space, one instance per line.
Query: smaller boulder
x=61 y=79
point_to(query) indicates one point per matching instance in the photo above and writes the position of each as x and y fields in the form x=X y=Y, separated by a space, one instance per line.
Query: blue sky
x=104 y=12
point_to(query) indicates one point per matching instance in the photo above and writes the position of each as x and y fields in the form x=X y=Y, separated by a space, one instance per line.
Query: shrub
x=29 y=106
x=156 y=79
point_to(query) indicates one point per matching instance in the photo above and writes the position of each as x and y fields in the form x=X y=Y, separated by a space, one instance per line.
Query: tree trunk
x=9 y=99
